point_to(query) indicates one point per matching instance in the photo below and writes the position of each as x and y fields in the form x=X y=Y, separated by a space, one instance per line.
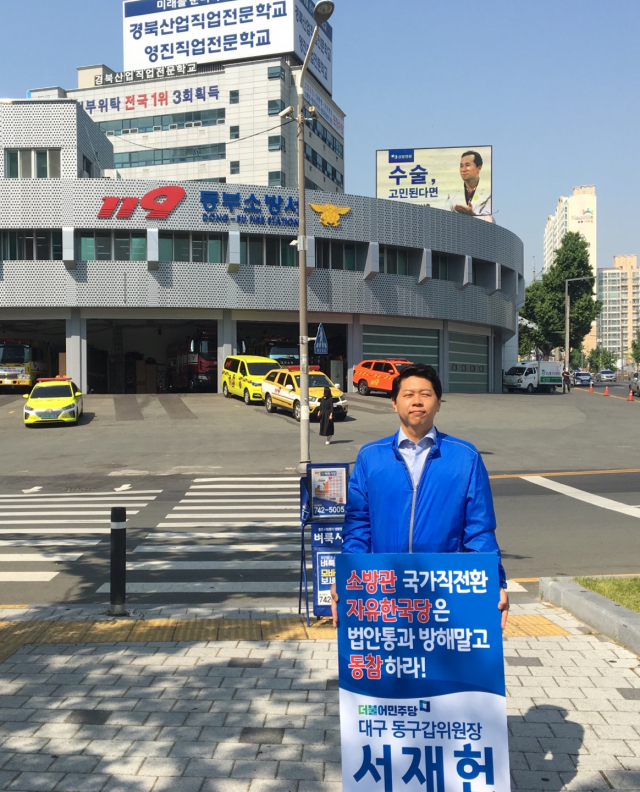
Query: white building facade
x=576 y=212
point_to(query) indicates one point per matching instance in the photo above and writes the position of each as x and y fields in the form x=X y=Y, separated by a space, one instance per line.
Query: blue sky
x=552 y=85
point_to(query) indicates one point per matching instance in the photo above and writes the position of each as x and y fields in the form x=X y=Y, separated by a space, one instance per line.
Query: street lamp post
x=321 y=13
x=567 y=313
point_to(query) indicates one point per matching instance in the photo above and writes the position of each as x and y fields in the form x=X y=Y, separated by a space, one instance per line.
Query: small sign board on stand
x=328 y=490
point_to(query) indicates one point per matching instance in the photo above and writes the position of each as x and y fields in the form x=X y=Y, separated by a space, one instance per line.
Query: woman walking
x=325 y=411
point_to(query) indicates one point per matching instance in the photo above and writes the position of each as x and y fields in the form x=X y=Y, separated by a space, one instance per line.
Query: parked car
x=582 y=378
x=378 y=375
x=606 y=375
x=634 y=384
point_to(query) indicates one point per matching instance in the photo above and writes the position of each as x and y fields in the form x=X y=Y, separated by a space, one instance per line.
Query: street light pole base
x=302 y=468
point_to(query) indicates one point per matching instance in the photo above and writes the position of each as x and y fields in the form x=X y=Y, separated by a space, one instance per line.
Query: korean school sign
x=444 y=178
x=422 y=690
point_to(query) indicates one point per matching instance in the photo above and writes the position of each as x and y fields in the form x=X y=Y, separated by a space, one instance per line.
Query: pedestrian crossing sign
x=321 y=346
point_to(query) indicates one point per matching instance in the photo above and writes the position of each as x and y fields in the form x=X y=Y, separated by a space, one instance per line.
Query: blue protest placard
x=422 y=689
x=326 y=544
x=321 y=346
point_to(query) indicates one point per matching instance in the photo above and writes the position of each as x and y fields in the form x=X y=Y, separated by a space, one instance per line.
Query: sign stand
x=323 y=497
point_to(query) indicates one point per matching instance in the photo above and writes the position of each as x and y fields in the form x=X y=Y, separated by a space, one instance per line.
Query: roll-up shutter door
x=468 y=363
x=413 y=343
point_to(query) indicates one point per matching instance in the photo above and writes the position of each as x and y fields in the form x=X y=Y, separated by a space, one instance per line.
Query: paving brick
x=36 y=782
x=130 y=783
x=163 y=767
x=231 y=750
x=145 y=748
x=82 y=782
x=190 y=784
x=209 y=768
x=108 y=748
x=120 y=765
x=29 y=761
x=193 y=749
x=254 y=769
x=74 y=764
x=273 y=785
x=226 y=785
x=290 y=753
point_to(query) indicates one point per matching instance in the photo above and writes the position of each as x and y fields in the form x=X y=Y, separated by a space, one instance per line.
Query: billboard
x=166 y=32
x=457 y=179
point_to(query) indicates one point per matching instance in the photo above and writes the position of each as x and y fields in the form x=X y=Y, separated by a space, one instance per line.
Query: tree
x=544 y=303
x=602 y=359
x=635 y=348
x=577 y=358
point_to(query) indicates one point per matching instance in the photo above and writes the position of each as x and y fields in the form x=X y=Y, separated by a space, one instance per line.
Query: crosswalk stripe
x=219 y=515
x=25 y=558
x=27 y=577
x=64 y=505
x=228 y=524
x=215 y=535
x=50 y=522
x=203 y=548
x=83 y=496
x=213 y=565
x=207 y=587
x=61 y=514
x=255 y=548
x=59 y=542
x=247 y=479
x=243 y=487
x=56 y=531
x=208 y=507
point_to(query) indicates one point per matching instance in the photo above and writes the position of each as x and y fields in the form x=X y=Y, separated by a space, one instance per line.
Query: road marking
x=202 y=507
x=25 y=558
x=565 y=473
x=236 y=548
x=526 y=580
x=46 y=542
x=215 y=515
x=184 y=565
x=33 y=489
x=57 y=513
x=248 y=501
x=211 y=535
x=56 y=531
x=226 y=524
x=27 y=577
x=59 y=504
x=246 y=479
x=609 y=395
x=585 y=497
x=513 y=587
x=123 y=488
x=83 y=495
x=199 y=587
x=243 y=487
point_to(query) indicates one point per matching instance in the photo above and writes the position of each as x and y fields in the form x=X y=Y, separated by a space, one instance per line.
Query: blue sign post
x=321 y=346
x=422 y=689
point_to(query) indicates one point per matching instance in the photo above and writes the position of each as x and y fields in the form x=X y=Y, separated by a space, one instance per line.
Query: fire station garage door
x=412 y=343
x=468 y=363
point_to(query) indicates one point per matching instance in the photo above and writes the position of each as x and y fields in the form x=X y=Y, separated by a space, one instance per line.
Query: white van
x=530 y=376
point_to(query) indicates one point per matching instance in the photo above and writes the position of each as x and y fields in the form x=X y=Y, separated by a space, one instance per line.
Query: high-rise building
x=576 y=212
x=619 y=292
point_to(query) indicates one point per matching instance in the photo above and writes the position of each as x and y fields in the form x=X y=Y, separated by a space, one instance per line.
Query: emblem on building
x=330 y=215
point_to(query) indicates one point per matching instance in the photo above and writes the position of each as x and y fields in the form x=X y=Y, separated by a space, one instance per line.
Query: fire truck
x=22 y=362
x=193 y=364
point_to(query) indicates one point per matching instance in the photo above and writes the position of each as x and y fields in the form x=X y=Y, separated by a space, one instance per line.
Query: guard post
x=118 y=560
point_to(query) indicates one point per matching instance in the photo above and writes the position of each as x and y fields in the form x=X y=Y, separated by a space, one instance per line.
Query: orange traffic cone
x=591 y=387
x=630 y=395
x=606 y=390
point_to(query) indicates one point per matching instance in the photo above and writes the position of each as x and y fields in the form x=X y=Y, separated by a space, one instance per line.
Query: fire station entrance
x=279 y=340
x=151 y=355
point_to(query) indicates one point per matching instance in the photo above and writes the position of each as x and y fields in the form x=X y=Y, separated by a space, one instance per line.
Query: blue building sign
x=230 y=207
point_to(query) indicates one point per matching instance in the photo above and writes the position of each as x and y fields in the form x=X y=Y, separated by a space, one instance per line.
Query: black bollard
x=118 y=560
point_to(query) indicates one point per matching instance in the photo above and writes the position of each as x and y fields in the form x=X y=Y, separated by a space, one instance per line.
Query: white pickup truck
x=530 y=376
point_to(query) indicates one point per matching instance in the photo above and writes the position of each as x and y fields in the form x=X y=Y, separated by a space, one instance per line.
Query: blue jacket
x=450 y=511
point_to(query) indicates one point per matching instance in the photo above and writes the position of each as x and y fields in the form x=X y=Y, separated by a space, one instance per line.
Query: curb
x=613 y=620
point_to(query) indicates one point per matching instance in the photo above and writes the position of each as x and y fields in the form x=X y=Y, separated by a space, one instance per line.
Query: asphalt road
x=233 y=538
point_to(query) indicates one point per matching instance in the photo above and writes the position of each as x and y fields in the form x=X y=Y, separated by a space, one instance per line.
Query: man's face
x=469 y=171
x=417 y=404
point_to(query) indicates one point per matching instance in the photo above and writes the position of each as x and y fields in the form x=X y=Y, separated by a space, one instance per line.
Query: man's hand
x=461 y=209
x=503 y=606
x=334 y=605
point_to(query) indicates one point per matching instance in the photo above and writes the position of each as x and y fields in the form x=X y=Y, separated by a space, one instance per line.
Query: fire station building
x=115 y=275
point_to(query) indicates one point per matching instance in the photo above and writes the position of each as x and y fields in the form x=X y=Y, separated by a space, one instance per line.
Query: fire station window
x=129 y=246
x=165 y=247
x=216 y=249
x=42 y=170
x=103 y=246
x=27 y=163
x=337 y=255
x=199 y=247
x=288 y=253
x=350 y=257
x=11 y=165
x=272 y=251
x=181 y=247
x=43 y=245
x=85 y=246
x=138 y=246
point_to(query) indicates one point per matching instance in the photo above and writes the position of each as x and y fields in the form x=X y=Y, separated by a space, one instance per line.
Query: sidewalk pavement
x=137 y=706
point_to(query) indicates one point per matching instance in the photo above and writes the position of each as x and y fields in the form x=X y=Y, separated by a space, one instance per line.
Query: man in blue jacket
x=420 y=491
